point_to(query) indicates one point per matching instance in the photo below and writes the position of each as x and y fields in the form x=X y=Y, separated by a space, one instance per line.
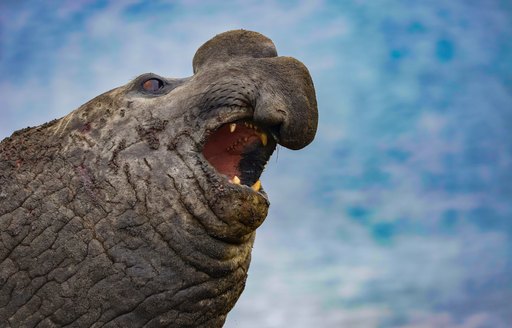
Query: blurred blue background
x=400 y=212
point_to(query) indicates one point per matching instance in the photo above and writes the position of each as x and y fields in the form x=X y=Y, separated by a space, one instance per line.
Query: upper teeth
x=263 y=135
x=264 y=139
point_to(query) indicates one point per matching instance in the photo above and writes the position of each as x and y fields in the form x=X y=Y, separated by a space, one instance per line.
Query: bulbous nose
x=285 y=100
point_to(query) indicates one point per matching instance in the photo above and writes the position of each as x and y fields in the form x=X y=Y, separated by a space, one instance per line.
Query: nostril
x=272 y=120
x=269 y=116
x=270 y=112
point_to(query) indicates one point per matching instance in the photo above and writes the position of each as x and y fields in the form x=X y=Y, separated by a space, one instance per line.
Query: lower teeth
x=256 y=186
x=235 y=180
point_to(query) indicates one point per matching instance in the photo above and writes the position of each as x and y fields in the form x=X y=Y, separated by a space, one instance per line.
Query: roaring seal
x=140 y=207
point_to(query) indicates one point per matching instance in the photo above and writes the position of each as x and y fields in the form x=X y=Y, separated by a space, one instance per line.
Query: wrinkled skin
x=112 y=217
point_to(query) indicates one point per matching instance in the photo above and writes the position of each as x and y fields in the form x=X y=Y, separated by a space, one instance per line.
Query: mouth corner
x=239 y=151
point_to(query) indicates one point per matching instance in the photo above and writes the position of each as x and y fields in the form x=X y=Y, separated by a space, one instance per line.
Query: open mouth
x=240 y=151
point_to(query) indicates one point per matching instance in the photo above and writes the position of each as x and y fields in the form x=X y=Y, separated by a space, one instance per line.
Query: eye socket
x=153 y=85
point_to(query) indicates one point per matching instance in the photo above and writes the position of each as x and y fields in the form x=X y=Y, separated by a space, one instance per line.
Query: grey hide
x=112 y=216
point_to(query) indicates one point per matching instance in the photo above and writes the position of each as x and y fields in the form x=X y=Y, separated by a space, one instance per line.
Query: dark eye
x=153 y=85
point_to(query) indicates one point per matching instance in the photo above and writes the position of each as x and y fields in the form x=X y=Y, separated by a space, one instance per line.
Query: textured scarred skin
x=111 y=217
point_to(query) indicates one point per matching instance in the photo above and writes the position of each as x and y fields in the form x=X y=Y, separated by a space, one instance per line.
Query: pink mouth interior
x=224 y=148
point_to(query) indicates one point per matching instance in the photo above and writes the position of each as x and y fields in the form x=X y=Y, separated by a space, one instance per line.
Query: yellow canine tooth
x=235 y=180
x=232 y=127
x=263 y=138
x=256 y=186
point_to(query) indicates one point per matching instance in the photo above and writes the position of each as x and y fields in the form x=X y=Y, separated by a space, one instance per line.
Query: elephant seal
x=139 y=208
